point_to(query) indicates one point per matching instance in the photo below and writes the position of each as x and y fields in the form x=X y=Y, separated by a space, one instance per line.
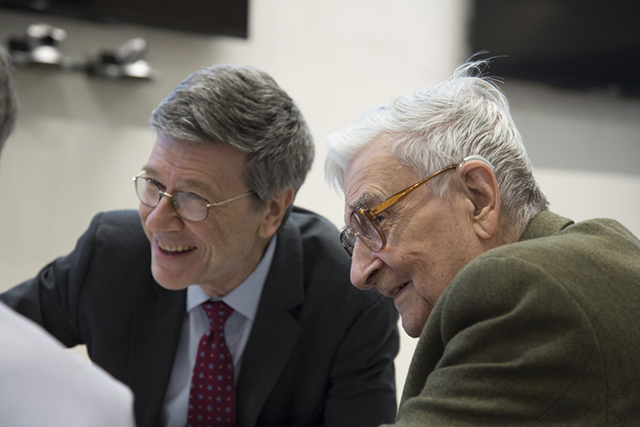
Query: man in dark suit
x=524 y=317
x=215 y=224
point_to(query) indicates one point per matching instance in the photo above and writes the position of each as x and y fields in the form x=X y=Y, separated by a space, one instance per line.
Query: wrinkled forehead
x=372 y=176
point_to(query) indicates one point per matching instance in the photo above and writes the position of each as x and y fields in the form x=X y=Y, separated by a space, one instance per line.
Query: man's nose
x=164 y=216
x=364 y=266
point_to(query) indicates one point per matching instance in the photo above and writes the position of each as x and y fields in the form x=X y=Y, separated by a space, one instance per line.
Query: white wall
x=79 y=140
x=585 y=147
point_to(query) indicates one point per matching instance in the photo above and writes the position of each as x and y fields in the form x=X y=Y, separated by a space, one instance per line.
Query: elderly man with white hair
x=524 y=317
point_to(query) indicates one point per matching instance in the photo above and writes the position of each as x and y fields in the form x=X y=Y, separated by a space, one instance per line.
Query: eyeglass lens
x=367 y=231
x=364 y=229
x=147 y=191
x=348 y=240
x=188 y=205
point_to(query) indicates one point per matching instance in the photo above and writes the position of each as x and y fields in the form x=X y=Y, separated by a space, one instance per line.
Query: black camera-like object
x=40 y=46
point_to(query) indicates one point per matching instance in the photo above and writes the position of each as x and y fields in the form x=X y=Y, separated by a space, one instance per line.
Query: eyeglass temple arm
x=224 y=202
x=402 y=194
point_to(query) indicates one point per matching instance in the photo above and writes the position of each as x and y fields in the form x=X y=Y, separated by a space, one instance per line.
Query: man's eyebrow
x=362 y=201
x=192 y=184
x=200 y=186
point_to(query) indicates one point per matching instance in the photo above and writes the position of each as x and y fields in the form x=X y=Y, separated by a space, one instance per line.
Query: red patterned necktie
x=212 y=398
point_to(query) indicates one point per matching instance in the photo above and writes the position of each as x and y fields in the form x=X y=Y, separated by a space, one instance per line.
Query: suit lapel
x=155 y=334
x=275 y=330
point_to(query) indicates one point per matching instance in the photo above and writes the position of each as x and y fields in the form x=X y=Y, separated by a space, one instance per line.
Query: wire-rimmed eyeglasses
x=187 y=205
x=365 y=223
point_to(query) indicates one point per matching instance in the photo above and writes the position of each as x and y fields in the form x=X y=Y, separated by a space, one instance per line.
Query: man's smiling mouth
x=175 y=249
x=396 y=290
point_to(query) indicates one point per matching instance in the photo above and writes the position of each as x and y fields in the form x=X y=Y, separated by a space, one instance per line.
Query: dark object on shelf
x=39 y=47
x=126 y=62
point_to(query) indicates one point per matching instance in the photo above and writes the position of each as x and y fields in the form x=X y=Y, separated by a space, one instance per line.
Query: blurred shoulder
x=119 y=218
x=118 y=224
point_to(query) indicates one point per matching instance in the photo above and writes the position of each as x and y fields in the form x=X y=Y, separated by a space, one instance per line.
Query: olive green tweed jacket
x=543 y=332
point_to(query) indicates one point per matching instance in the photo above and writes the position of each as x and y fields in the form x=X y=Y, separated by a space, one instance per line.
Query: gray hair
x=8 y=102
x=440 y=126
x=245 y=108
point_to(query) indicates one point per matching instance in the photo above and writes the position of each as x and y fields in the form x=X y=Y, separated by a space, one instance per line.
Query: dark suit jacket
x=543 y=332
x=320 y=353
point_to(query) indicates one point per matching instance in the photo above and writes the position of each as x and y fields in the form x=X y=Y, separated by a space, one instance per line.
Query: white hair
x=437 y=127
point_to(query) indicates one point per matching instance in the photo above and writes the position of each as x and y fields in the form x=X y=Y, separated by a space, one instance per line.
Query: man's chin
x=413 y=326
x=410 y=331
x=167 y=281
x=173 y=288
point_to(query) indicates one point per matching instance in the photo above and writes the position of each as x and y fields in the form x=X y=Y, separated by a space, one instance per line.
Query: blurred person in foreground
x=524 y=317
x=216 y=234
x=41 y=382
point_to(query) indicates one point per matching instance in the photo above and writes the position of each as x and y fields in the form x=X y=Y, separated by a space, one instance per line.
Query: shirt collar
x=245 y=298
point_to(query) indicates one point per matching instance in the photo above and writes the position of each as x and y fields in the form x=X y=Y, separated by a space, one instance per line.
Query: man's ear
x=483 y=197
x=275 y=210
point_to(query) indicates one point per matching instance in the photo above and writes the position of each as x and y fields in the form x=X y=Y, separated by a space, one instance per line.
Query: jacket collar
x=545 y=224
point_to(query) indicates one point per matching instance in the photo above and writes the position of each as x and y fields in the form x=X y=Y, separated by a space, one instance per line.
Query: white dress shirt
x=44 y=384
x=244 y=300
